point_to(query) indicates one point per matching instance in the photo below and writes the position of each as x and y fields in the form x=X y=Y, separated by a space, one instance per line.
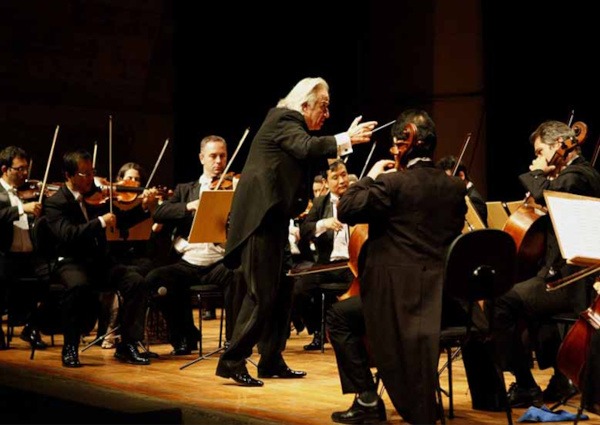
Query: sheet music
x=576 y=221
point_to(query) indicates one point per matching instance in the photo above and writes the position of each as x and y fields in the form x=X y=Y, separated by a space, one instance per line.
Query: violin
x=126 y=193
x=226 y=181
x=524 y=225
x=31 y=190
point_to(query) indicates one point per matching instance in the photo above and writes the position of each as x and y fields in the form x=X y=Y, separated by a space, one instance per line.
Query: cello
x=360 y=233
x=525 y=226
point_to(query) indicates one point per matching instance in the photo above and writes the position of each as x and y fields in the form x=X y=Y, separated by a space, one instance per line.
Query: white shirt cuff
x=102 y=222
x=320 y=228
x=344 y=144
x=20 y=207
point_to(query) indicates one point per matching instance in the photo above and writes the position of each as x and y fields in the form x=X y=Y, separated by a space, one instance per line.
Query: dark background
x=183 y=70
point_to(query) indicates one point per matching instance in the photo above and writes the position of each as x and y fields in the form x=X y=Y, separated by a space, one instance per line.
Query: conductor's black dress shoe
x=282 y=373
x=238 y=373
x=70 y=356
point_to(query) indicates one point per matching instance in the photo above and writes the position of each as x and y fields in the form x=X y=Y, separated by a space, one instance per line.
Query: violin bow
x=29 y=169
x=162 y=152
x=571 y=117
x=110 y=175
x=596 y=150
x=462 y=153
x=233 y=157
x=43 y=188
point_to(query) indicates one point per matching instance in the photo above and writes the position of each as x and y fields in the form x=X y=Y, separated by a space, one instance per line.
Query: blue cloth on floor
x=543 y=414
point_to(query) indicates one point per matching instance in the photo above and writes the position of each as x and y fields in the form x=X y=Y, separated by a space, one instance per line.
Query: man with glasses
x=17 y=255
x=84 y=264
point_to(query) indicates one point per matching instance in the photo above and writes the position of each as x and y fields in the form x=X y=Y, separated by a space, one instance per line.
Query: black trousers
x=529 y=304
x=263 y=305
x=306 y=288
x=176 y=305
x=79 y=303
x=346 y=325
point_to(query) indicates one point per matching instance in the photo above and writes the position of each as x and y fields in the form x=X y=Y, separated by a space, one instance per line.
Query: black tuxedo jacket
x=322 y=208
x=173 y=211
x=276 y=177
x=77 y=238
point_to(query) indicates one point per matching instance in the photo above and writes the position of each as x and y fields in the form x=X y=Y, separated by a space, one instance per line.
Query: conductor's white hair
x=305 y=92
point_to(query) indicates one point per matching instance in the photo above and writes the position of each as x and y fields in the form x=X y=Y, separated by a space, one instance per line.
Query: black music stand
x=480 y=265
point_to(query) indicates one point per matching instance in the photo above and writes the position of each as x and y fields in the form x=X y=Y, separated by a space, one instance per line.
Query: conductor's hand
x=110 y=219
x=333 y=224
x=361 y=133
x=383 y=166
x=540 y=163
x=192 y=206
x=34 y=208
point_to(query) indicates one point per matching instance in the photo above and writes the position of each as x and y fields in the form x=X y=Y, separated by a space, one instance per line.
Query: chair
x=512 y=206
x=207 y=291
x=480 y=265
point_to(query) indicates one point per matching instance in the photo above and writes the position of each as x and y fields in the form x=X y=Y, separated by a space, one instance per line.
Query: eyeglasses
x=88 y=174
x=19 y=169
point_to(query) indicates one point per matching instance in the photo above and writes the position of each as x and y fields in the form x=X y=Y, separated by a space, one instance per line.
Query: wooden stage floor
x=205 y=398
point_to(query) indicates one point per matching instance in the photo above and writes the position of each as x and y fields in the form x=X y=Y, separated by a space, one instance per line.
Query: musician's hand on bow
x=540 y=163
x=193 y=205
x=110 y=219
x=333 y=224
x=361 y=133
x=383 y=166
x=149 y=199
x=34 y=208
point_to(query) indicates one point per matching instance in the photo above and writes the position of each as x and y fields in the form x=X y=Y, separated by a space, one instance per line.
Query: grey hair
x=305 y=92
x=550 y=131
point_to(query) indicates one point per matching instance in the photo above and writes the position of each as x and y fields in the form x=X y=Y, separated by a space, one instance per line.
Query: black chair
x=480 y=265
x=205 y=292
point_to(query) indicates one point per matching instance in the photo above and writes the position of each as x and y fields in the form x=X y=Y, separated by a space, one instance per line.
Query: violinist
x=331 y=239
x=84 y=263
x=528 y=301
x=18 y=258
x=413 y=216
x=448 y=164
x=199 y=263
x=272 y=190
x=319 y=186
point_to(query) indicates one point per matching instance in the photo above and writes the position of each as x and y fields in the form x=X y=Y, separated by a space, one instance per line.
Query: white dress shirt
x=340 y=238
x=21 y=239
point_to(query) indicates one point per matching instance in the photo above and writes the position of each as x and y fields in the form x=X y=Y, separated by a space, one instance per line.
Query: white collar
x=415 y=160
x=7 y=186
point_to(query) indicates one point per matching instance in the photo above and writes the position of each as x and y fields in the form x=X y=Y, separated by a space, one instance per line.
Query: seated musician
x=84 y=264
x=142 y=254
x=529 y=301
x=18 y=258
x=448 y=163
x=413 y=217
x=331 y=239
x=319 y=186
x=200 y=263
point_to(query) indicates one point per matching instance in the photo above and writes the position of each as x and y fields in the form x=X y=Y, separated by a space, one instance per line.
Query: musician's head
x=319 y=186
x=448 y=163
x=352 y=178
x=547 y=138
x=132 y=171
x=310 y=97
x=337 y=177
x=213 y=155
x=14 y=164
x=426 y=135
x=79 y=173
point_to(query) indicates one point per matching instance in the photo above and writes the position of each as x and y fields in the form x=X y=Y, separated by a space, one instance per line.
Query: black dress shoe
x=128 y=353
x=359 y=414
x=183 y=347
x=244 y=379
x=70 y=356
x=33 y=337
x=282 y=373
x=524 y=397
x=238 y=372
x=558 y=388
x=209 y=315
x=149 y=355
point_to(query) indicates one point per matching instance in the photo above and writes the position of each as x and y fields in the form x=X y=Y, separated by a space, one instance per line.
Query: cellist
x=413 y=217
x=528 y=300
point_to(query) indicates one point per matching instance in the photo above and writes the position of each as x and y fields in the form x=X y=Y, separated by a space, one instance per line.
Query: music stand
x=210 y=219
